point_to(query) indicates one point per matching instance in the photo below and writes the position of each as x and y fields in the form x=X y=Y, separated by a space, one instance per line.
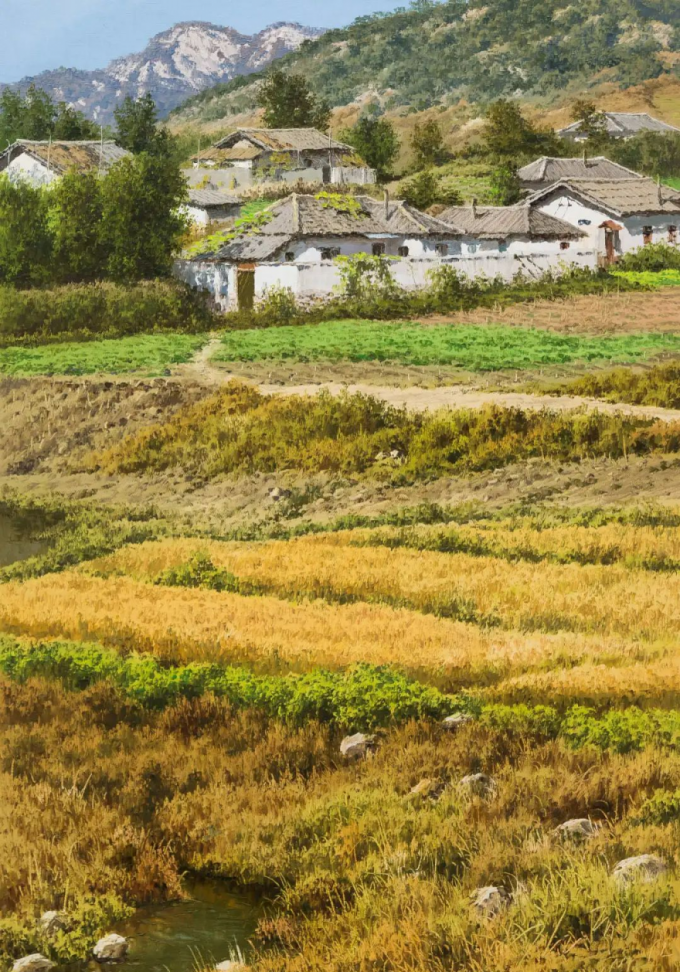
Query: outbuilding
x=620 y=124
x=548 y=170
x=211 y=205
x=42 y=163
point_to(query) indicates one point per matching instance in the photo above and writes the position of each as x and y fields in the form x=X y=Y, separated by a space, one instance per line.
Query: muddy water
x=207 y=927
x=18 y=537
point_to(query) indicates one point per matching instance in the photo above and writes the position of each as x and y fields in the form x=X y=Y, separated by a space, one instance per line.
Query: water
x=179 y=937
x=18 y=536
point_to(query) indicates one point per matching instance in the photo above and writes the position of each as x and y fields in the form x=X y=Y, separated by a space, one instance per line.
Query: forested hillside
x=479 y=50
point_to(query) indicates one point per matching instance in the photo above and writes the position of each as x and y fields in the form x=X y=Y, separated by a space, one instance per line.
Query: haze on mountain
x=177 y=63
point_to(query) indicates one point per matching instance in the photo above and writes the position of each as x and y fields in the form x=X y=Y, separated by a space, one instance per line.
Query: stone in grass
x=33 y=963
x=645 y=868
x=231 y=966
x=357 y=746
x=490 y=902
x=456 y=721
x=577 y=830
x=480 y=784
x=427 y=789
x=52 y=922
x=278 y=493
x=111 y=948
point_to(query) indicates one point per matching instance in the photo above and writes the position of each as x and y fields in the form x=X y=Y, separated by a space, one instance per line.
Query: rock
x=33 y=963
x=430 y=789
x=396 y=454
x=579 y=829
x=479 y=784
x=277 y=494
x=231 y=966
x=456 y=721
x=357 y=746
x=52 y=922
x=112 y=948
x=490 y=902
x=645 y=868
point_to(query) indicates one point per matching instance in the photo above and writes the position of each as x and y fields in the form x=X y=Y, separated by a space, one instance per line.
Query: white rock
x=357 y=746
x=111 y=948
x=490 y=902
x=52 y=922
x=33 y=963
x=480 y=784
x=430 y=789
x=277 y=494
x=578 y=829
x=456 y=721
x=231 y=966
x=645 y=868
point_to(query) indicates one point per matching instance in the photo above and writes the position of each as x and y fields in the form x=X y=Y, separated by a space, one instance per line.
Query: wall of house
x=242 y=178
x=589 y=219
x=24 y=167
x=218 y=279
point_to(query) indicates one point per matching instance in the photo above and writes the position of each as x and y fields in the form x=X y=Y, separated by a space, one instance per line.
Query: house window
x=472 y=247
x=503 y=247
x=564 y=245
x=330 y=252
x=442 y=249
x=308 y=163
x=672 y=234
x=290 y=256
x=378 y=249
x=403 y=251
x=647 y=234
x=584 y=222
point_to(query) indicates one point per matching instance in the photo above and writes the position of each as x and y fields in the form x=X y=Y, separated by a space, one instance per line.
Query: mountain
x=177 y=63
x=437 y=55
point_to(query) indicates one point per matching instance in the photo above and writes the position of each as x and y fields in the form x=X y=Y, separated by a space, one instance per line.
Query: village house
x=619 y=215
x=547 y=170
x=252 y=156
x=297 y=241
x=620 y=124
x=42 y=163
x=211 y=205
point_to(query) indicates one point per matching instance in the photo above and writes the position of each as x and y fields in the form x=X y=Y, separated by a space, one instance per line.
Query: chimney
x=473 y=207
x=585 y=157
x=387 y=203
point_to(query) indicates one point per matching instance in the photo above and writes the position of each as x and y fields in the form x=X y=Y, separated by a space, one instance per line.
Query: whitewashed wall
x=572 y=210
x=218 y=279
x=24 y=167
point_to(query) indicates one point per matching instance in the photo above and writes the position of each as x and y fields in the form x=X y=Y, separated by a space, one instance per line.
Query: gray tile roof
x=63 y=156
x=622 y=124
x=301 y=216
x=622 y=197
x=547 y=170
x=205 y=198
x=283 y=140
x=502 y=222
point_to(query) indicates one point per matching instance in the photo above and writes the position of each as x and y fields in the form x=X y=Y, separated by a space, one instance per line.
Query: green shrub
x=100 y=310
x=653 y=257
x=659 y=386
x=661 y=808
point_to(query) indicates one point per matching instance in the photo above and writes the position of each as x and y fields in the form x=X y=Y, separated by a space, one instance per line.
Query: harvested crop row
x=183 y=625
x=482 y=590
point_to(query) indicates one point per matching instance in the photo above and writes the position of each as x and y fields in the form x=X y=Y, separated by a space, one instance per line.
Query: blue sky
x=42 y=34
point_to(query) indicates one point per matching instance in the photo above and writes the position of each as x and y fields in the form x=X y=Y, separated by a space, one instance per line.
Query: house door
x=610 y=245
x=245 y=287
x=327 y=174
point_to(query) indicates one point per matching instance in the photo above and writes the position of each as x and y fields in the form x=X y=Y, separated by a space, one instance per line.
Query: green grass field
x=649 y=278
x=149 y=354
x=487 y=348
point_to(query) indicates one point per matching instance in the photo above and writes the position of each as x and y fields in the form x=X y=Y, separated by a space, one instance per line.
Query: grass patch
x=147 y=354
x=484 y=348
x=653 y=279
x=658 y=387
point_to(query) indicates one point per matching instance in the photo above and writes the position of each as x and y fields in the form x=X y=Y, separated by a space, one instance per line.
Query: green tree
x=25 y=240
x=654 y=153
x=508 y=134
x=377 y=143
x=138 y=129
x=421 y=191
x=289 y=102
x=427 y=142
x=142 y=223
x=505 y=184
x=36 y=117
x=76 y=222
x=593 y=122
x=72 y=126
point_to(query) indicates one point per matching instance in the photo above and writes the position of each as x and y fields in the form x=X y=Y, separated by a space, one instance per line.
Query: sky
x=39 y=35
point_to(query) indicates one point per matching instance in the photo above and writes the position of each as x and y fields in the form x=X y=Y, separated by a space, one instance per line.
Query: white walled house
x=42 y=163
x=211 y=205
x=620 y=124
x=297 y=245
x=254 y=156
x=619 y=216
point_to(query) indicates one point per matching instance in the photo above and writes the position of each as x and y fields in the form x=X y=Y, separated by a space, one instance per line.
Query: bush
x=653 y=257
x=100 y=310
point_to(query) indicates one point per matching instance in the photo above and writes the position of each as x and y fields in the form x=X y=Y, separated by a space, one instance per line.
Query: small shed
x=212 y=205
x=43 y=162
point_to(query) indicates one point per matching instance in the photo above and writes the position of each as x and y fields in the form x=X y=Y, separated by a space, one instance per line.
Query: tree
x=427 y=142
x=508 y=134
x=422 y=191
x=593 y=122
x=142 y=223
x=72 y=126
x=505 y=185
x=377 y=143
x=289 y=102
x=76 y=223
x=137 y=127
x=25 y=242
x=36 y=117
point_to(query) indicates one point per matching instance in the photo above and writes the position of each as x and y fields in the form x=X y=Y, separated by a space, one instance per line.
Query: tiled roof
x=501 y=222
x=548 y=170
x=62 y=156
x=283 y=140
x=622 y=197
x=212 y=197
x=624 y=123
x=238 y=153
